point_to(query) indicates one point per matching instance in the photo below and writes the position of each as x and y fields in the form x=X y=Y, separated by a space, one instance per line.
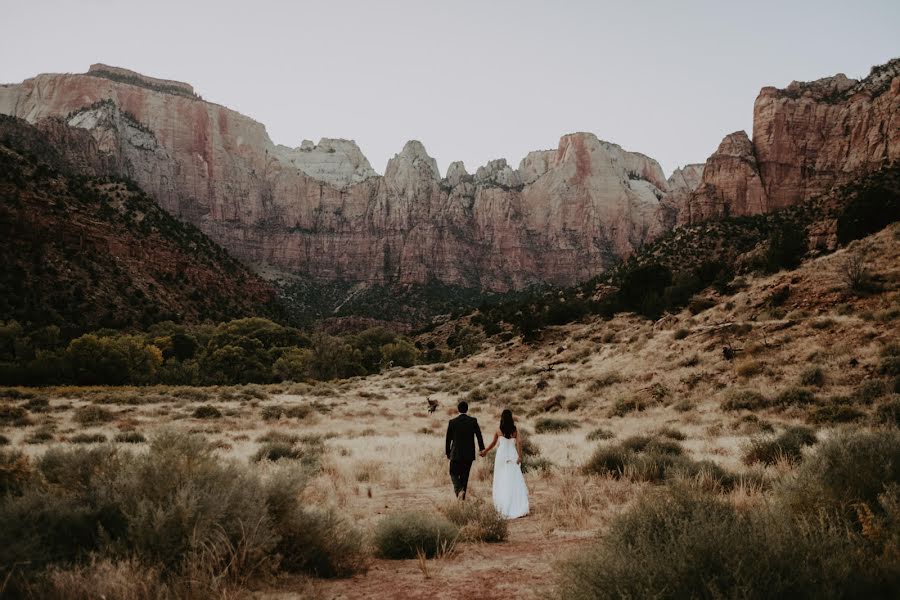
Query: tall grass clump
x=478 y=521
x=786 y=446
x=655 y=459
x=405 y=534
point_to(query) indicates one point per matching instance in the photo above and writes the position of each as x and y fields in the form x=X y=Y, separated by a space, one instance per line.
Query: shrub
x=478 y=521
x=685 y=544
x=888 y=412
x=698 y=305
x=869 y=391
x=15 y=471
x=671 y=433
x=88 y=438
x=749 y=368
x=92 y=415
x=207 y=412
x=553 y=425
x=403 y=535
x=812 y=376
x=274 y=451
x=655 y=460
x=835 y=412
x=4 y=441
x=627 y=404
x=604 y=380
x=794 y=396
x=13 y=415
x=787 y=446
x=744 y=400
x=600 y=434
x=849 y=468
x=681 y=333
x=130 y=437
x=318 y=542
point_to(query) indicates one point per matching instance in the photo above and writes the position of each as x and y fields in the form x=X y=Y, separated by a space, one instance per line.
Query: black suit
x=461 y=434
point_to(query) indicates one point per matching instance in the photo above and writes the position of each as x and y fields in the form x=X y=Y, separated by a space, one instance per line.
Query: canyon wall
x=562 y=216
x=807 y=138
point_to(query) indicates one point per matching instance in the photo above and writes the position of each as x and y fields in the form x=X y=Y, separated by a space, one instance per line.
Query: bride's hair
x=507 y=426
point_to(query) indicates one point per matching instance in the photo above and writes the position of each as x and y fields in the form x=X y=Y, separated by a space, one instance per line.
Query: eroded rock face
x=320 y=210
x=807 y=138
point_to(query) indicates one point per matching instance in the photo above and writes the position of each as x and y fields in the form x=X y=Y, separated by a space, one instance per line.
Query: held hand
x=482 y=453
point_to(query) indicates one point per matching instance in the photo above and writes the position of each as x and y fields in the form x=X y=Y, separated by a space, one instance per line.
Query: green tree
x=94 y=360
x=333 y=358
x=399 y=354
x=294 y=365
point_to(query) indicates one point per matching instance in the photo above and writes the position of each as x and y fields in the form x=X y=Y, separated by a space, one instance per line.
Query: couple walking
x=510 y=492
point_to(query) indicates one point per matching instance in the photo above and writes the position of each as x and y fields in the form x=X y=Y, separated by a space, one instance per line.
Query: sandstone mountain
x=807 y=138
x=320 y=211
x=80 y=250
x=319 y=214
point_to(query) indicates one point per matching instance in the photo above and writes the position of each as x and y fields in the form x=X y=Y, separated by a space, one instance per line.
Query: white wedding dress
x=510 y=493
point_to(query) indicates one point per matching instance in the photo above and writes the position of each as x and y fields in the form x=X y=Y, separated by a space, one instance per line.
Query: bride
x=510 y=493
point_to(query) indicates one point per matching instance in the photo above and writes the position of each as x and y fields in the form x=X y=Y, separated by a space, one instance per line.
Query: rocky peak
x=686 y=178
x=456 y=173
x=335 y=161
x=736 y=145
x=413 y=157
x=497 y=172
x=535 y=164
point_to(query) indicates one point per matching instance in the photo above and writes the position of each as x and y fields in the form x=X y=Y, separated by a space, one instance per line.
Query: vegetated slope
x=666 y=274
x=83 y=252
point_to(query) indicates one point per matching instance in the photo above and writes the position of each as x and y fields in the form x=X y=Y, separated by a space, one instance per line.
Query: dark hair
x=507 y=426
x=463 y=407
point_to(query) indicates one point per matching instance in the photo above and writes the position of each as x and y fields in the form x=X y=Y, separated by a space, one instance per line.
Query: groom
x=461 y=448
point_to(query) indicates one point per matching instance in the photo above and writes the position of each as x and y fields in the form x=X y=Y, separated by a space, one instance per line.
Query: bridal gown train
x=510 y=493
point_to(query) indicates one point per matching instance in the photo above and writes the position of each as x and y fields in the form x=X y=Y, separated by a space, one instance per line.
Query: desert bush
x=749 y=368
x=320 y=542
x=849 y=468
x=835 y=411
x=92 y=415
x=15 y=471
x=680 y=333
x=600 y=434
x=37 y=405
x=786 y=446
x=794 y=396
x=671 y=433
x=206 y=411
x=627 y=404
x=686 y=544
x=130 y=437
x=604 y=380
x=88 y=438
x=553 y=425
x=4 y=441
x=13 y=415
x=478 y=521
x=888 y=412
x=41 y=435
x=698 y=305
x=855 y=273
x=744 y=399
x=656 y=460
x=870 y=390
x=401 y=535
x=813 y=376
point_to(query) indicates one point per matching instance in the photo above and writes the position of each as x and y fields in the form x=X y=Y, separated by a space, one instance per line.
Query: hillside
x=88 y=251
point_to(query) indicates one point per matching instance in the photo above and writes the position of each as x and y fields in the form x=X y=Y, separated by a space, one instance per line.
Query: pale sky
x=473 y=80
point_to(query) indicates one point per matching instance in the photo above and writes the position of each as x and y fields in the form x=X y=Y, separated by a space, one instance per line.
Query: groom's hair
x=463 y=407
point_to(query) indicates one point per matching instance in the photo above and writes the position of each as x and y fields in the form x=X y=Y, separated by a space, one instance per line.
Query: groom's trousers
x=459 y=475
